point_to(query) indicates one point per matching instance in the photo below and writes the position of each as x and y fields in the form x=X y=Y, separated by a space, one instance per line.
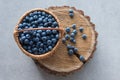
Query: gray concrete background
x=106 y=62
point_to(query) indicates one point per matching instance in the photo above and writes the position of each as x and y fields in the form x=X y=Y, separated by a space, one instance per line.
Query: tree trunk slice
x=61 y=63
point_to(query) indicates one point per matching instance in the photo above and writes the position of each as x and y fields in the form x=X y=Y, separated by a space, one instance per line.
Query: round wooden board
x=61 y=63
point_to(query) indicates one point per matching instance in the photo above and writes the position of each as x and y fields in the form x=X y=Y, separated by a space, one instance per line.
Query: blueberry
x=43 y=33
x=37 y=34
x=40 y=20
x=41 y=50
x=71 y=39
x=31 y=42
x=70 y=10
x=74 y=31
x=54 y=31
x=20 y=25
x=81 y=58
x=43 y=13
x=72 y=35
x=39 y=31
x=31 y=19
x=49 y=42
x=74 y=26
x=71 y=15
x=81 y=29
x=70 y=52
x=26 y=41
x=49 y=47
x=54 y=40
x=34 y=49
x=84 y=36
x=30 y=51
x=48 y=31
x=28 y=36
x=46 y=50
x=41 y=45
x=67 y=36
x=57 y=36
x=75 y=50
x=37 y=39
x=67 y=29
x=69 y=46
x=44 y=38
x=55 y=23
x=63 y=40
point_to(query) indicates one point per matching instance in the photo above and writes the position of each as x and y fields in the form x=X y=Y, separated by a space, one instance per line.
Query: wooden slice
x=61 y=63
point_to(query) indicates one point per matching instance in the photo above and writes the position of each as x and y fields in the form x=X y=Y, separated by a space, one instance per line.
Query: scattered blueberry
x=70 y=52
x=84 y=36
x=81 y=29
x=70 y=10
x=74 y=26
x=81 y=58
x=67 y=29
x=67 y=36
x=72 y=35
x=63 y=40
x=74 y=31
x=71 y=15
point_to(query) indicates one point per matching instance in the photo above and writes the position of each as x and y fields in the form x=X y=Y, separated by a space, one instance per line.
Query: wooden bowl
x=47 y=54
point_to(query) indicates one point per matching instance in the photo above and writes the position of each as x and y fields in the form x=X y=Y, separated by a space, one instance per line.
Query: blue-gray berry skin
x=84 y=36
x=70 y=52
x=63 y=40
x=71 y=15
x=38 y=41
x=74 y=26
x=72 y=35
x=67 y=29
x=74 y=31
x=81 y=29
x=81 y=58
x=67 y=36
x=69 y=46
x=70 y=10
x=75 y=50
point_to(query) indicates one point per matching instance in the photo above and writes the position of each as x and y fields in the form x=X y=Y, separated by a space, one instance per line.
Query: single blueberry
x=41 y=45
x=44 y=38
x=43 y=33
x=57 y=36
x=36 y=39
x=74 y=31
x=55 y=23
x=54 y=31
x=43 y=13
x=39 y=31
x=67 y=36
x=48 y=31
x=30 y=51
x=72 y=35
x=41 y=50
x=54 y=40
x=31 y=43
x=31 y=19
x=75 y=50
x=34 y=49
x=67 y=29
x=84 y=36
x=26 y=41
x=71 y=15
x=69 y=46
x=40 y=20
x=63 y=40
x=74 y=26
x=70 y=10
x=20 y=25
x=81 y=29
x=71 y=39
x=27 y=36
x=70 y=52
x=50 y=48
x=81 y=58
x=49 y=42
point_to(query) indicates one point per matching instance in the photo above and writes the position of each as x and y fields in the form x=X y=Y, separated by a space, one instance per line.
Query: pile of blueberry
x=70 y=35
x=38 y=41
